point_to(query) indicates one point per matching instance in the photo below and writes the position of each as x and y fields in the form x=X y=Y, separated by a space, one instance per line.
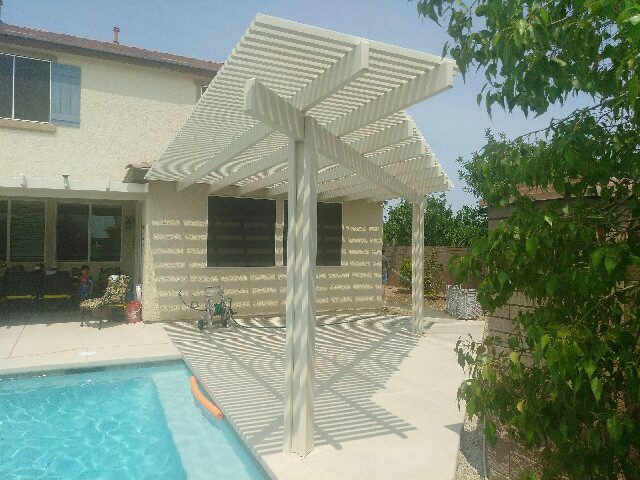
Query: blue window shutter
x=65 y=95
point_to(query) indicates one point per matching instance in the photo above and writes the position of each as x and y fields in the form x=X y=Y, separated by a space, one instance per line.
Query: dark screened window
x=6 y=86
x=77 y=221
x=31 y=89
x=4 y=205
x=72 y=232
x=329 y=234
x=26 y=242
x=25 y=90
x=241 y=232
x=106 y=232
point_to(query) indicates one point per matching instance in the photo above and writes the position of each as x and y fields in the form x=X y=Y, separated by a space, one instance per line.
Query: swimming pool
x=136 y=423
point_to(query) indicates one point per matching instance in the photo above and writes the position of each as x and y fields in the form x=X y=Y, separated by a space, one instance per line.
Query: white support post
x=301 y=295
x=417 y=268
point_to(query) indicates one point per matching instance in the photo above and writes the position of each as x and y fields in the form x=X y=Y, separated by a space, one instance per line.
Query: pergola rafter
x=317 y=115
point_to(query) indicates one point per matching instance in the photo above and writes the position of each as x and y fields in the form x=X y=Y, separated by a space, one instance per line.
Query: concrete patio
x=35 y=340
x=385 y=399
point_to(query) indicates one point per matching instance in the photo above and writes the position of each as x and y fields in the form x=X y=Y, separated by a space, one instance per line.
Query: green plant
x=445 y=227
x=567 y=381
x=433 y=283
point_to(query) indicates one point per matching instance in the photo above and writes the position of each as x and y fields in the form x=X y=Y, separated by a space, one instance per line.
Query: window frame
x=13 y=87
x=275 y=218
x=90 y=217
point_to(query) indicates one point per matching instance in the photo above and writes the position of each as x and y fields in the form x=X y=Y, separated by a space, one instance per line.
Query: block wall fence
x=396 y=255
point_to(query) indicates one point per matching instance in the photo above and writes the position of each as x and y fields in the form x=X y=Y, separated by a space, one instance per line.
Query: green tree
x=442 y=226
x=567 y=382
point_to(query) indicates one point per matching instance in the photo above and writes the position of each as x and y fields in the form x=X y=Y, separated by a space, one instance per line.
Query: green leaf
x=502 y=278
x=596 y=388
x=490 y=432
x=551 y=286
x=634 y=88
x=610 y=264
x=544 y=340
x=514 y=357
x=597 y=256
x=614 y=427
x=532 y=245
x=589 y=367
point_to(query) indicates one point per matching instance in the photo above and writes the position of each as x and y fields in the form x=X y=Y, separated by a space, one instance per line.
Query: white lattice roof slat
x=352 y=88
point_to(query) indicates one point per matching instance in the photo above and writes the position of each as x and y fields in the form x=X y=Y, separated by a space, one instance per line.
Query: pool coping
x=84 y=367
x=74 y=367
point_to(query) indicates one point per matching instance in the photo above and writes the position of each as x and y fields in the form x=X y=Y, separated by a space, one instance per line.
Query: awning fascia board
x=67 y=188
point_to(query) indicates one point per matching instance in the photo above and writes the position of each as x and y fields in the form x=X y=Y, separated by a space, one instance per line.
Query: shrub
x=432 y=274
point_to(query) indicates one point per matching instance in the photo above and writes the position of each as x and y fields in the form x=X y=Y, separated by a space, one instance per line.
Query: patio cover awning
x=316 y=115
x=356 y=89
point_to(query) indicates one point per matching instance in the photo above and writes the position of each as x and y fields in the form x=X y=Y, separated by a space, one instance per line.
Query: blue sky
x=452 y=122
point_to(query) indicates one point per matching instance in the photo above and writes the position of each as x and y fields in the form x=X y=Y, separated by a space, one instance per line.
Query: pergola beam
x=331 y=147
x=273 y=159
x=245 y=141
x=387 y=137
x=426 y=187
x=351 y=66
x=269 y=108
x=418 y=166
x=430 y=83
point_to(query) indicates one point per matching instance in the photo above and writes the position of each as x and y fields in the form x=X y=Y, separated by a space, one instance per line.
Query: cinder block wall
x=509 y=458
x=175 y=259
x=397 y=254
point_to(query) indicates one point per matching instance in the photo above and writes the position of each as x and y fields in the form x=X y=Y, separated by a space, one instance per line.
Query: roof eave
x=54 y=46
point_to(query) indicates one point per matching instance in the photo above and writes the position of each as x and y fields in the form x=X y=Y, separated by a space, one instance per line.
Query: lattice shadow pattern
x=243 y=371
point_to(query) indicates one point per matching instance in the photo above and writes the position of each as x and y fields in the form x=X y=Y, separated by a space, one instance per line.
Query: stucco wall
x=128 y=114
x=174 y=259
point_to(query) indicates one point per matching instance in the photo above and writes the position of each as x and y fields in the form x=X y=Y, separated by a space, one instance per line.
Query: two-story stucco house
x=81 y=122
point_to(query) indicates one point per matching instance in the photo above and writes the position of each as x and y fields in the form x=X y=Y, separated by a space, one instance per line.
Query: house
x=83 y=126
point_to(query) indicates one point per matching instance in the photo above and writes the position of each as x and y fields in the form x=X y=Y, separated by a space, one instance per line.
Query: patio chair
x=114 y=298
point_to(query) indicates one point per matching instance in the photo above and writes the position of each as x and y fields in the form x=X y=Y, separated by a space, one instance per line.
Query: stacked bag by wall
x=462 y=303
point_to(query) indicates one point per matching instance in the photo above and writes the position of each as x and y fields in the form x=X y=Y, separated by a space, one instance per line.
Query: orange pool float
x=210 y=407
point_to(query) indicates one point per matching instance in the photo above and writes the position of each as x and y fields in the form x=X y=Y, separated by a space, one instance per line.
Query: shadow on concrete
x=243 y=371
x=50 y=312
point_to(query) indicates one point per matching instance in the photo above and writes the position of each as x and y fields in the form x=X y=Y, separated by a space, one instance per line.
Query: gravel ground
x=470 y=457
x=401 y=295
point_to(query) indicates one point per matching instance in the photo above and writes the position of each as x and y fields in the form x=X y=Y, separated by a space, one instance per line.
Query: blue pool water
x=139 y=423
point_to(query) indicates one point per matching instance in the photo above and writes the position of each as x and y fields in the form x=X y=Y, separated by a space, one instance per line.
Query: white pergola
x=316 y=115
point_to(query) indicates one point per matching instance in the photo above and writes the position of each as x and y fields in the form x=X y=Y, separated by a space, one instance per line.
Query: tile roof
x=16 y=34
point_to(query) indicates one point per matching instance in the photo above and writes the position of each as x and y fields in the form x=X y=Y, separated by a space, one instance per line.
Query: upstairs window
x=241 y=232
x=39 y=91
x=329 y=236
x=25 y=88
